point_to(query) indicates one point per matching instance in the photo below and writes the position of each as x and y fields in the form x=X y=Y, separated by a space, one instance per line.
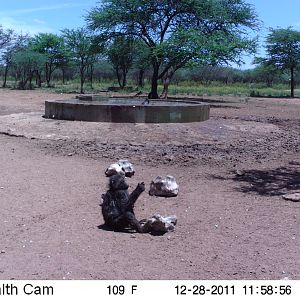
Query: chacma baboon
x=117 y=206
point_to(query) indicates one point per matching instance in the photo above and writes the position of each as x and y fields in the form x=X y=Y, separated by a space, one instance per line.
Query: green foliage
x=283 y=51
x=6 y=36
x=49 y=44
x=52 y=46
x=266 y=72
x=79 y=42
x=26 y=63
x=191 y=88
x=178 y=32
x=235 y=89
x=121 y=55
x=16 y=43
x=283 y=48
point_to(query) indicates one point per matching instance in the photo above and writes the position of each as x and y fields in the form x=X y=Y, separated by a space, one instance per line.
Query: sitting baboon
x=117 y=206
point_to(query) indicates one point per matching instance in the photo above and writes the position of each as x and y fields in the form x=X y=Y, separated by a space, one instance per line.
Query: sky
x=35 y=16
x=274 y=14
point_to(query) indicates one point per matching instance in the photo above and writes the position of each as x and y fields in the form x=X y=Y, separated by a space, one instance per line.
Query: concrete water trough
x=127 y=110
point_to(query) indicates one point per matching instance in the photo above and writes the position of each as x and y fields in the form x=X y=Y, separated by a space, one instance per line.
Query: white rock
x=114 y=169
x=122 y=167
x=127 y=167
x=164 y=186
x=161 y=224
x=292 y=197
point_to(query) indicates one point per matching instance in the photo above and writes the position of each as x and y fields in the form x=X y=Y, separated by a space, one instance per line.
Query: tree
x=141 y=61
x=283 y=51
x=194 y=30
x=265 y=71
x=121 y=55
x=6 y=35
x=140 y=64
x=65 y=63
x=6 y=42
x=27 y=63
x=80 y=44
x=52 y=46
x=18 y=42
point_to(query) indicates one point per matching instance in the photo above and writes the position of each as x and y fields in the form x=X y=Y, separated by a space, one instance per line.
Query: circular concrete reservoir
x=127 y=110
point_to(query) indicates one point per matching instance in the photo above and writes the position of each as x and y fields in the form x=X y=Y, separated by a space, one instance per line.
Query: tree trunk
x=81 y=81
x=82 y=71
x=38 y=79
x=118 y=77
x=292 y=83
x=23 y=81
x=91 y=75
x=63 y=75
x=141 y=78
x=5 y=76
x=124 y=83
x=166 y=82
x=154 y=83
x=30 y=81
x=48 y=74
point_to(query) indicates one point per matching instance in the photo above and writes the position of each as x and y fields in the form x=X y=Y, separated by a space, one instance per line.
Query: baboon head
x=117 y=182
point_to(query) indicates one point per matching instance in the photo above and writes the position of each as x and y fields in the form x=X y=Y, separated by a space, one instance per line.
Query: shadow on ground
x=107 y=228
x=129 y=230
x=274 y=182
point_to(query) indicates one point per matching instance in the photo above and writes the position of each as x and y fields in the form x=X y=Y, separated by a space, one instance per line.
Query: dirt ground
x=232 y=171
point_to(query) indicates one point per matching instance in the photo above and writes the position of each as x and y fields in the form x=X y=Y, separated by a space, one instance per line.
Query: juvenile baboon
x=117 y=206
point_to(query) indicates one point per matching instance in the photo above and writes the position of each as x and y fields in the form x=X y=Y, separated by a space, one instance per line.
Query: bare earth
x=232 y=172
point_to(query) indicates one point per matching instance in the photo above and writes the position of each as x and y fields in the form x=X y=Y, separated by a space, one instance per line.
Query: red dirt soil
x=232 y=171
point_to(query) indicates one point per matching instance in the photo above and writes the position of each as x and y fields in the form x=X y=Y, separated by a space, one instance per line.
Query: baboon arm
x=134 y=195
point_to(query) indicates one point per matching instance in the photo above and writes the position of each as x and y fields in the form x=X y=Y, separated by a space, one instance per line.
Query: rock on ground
x=122 y=167
x=295 y=197
x=161 y=224
x=164 y=186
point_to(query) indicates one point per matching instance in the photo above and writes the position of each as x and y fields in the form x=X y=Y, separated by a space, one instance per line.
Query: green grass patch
x=235 y=89
x=188 y=88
